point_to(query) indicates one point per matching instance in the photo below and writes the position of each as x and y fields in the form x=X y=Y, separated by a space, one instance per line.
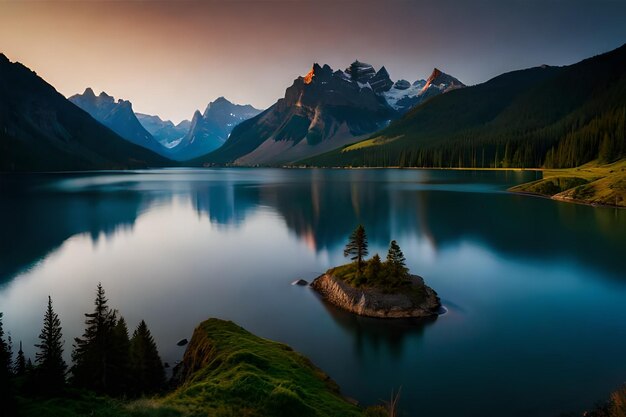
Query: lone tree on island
x=356 y=248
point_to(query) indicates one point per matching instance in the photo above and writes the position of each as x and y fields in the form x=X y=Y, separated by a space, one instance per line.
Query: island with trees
x=377 y=288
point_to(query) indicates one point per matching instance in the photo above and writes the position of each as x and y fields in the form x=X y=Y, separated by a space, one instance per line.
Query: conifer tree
x=147 y=368
x=356 y=248
x=373 y=270
x=120 y=359
x=92 y=352
x=29 y=365
x=9 y=345
x=50 y=364
x=5 y=363
x=6 y=395
x=396 y=264
x=19 y=368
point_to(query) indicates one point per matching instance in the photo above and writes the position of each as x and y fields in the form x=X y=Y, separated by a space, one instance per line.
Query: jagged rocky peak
x=402 y=85
x=196 y=116
x=436 y=73
x=125 y=104
x=317 y=73
x=218 y=103
x=381 y=82
x=361 y=71
x=104 y=97
x=89 y=93
x=442 y=81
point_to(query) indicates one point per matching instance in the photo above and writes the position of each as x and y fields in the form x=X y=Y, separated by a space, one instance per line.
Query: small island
x=374 y=288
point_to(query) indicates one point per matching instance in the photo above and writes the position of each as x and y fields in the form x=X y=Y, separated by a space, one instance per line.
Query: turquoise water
x=535 y=289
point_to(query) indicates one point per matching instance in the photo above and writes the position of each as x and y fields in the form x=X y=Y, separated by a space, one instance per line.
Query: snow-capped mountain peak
x=404 y=95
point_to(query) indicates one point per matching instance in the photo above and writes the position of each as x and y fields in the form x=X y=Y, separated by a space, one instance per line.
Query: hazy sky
x=172 y=57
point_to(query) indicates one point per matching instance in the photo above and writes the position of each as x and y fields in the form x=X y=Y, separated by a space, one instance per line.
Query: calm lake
x=535 y=289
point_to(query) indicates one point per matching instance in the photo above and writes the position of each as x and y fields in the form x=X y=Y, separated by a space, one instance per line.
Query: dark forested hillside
x=544 y=116
x=40 y=130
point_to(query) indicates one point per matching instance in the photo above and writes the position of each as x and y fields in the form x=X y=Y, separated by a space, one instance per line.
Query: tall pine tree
x=147 y=368
x=356 y=248
x=49 y=359
x=92 y=355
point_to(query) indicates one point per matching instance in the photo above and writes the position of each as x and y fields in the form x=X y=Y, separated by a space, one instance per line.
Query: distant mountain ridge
x=164 y=131
x=322 y=110
x=209 y=130
x=187 y=140
x=119 y=117
x=544 y=116
x=40 y=130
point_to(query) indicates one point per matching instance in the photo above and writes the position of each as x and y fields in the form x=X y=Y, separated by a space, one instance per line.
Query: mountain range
x=40 y=130
x=187 y=140
x=164 y=131
x=209 y=130
x=323 y=110
x=544 y=116
x=119 y=117
x=537 y=117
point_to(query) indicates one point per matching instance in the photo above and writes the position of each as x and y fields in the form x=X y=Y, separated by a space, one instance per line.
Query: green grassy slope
x=559 y=117
x=592 y=183
x=229 y=371
x=226 y=371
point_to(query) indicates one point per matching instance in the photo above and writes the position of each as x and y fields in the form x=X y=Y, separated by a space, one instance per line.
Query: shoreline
x=590 y=172
x=562 y=200
x=371 y=302
x=592 y=184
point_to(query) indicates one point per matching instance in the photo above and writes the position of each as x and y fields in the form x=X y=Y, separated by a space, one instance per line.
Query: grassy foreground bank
x=229 y=372
x=226 y=371
x=592 y=183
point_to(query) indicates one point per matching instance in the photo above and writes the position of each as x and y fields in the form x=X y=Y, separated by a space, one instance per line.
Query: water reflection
x=374 y=334
x=38 y=213
x=177 y=246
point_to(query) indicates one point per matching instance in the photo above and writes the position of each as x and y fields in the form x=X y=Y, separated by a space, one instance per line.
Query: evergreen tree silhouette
x=147 y=368
x=6 y=393
x=92 y=352
x=19 y=368
x=120 y=359
x=49 y=358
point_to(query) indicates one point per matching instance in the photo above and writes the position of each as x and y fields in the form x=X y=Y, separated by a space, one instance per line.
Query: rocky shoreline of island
x=418 y=301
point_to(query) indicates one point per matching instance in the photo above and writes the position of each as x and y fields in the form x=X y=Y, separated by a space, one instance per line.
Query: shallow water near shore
x=534 y=289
